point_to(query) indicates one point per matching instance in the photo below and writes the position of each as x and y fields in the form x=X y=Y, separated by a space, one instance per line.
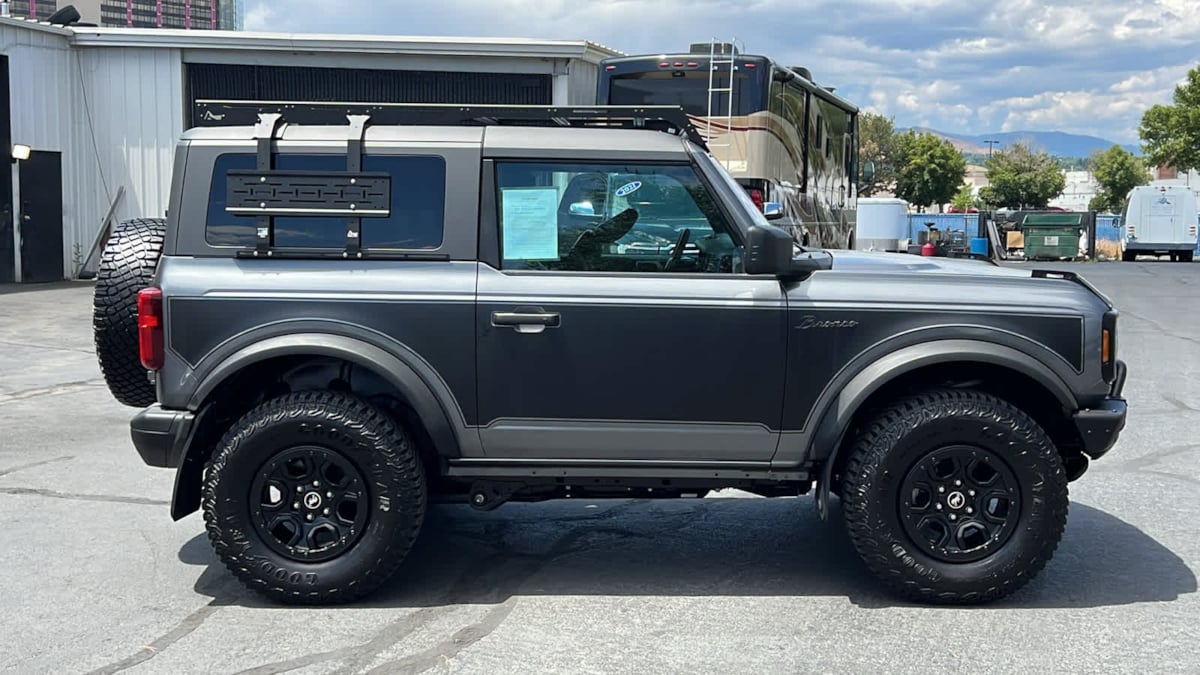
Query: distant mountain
x=1057 y=143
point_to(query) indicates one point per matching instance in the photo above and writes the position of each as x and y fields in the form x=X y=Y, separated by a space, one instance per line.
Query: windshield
x=739 y=192
x=688 y=89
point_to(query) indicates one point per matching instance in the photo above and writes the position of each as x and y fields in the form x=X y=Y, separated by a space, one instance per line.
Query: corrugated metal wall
x=134 y=109
x=114 y=114
x=583 y=78
x=42 y=96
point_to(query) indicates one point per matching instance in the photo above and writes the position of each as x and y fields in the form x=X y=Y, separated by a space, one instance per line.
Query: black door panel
x=41 y=217
x=626 y=367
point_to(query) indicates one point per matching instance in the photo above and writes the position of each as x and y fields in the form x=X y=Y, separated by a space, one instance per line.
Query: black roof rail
x=672 y=119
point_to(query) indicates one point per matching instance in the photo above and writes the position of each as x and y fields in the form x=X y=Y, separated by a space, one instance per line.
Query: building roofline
x=30 y=24
x=88 y=36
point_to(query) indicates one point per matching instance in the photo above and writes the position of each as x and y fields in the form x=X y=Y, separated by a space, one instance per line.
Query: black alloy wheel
x=311 y=503
x=959 y=503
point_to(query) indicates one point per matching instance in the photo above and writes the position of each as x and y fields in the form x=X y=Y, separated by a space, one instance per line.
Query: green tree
x=1117 y=171
x=929 y=170
x=1171 y=133
x=964 y=199
x=877 y=144
x=1020 y=179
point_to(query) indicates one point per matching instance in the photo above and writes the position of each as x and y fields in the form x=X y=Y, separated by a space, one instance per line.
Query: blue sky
x=960 y=66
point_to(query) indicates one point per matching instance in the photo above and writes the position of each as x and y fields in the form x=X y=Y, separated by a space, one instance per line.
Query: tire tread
x=368 y=422
x=127 y=265
x=867 y=459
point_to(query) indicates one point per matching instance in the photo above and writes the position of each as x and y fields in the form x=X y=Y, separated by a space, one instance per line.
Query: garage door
x=282 y=83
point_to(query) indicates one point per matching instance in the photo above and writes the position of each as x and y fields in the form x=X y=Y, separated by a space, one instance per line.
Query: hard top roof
x=509 y=140
x=514 y=128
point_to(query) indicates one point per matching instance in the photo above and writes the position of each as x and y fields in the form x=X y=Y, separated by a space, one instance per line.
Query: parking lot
x=98 y=578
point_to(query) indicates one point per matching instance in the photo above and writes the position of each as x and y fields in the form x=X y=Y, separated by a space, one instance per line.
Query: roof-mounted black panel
x=671 y=119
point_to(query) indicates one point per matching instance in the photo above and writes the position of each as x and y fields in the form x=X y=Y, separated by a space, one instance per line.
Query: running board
x=643 y=472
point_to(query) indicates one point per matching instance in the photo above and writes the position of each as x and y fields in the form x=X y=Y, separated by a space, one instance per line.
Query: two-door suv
x=353 y=311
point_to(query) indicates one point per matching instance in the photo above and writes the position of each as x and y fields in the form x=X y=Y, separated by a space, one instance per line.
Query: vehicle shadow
x=709 y=547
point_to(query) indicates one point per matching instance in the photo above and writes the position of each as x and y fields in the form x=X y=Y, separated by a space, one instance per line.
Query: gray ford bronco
x=352 y=312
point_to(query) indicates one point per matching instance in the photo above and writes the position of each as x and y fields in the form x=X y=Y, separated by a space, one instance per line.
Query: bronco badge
x=810 y=321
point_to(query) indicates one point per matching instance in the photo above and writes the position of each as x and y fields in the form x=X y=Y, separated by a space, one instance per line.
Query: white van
x=1158 y=220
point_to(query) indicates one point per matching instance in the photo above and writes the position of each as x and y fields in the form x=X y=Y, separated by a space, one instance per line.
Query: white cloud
x=1086 y=66
x=259 y=17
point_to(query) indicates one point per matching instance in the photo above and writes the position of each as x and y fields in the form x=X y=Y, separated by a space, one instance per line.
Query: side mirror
x=773 y=210
x=582 y=209
x=770 y=250
x=868 y=172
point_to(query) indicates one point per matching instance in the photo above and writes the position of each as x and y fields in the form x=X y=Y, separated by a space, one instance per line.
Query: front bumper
x=161 y=435
x=1100 y=425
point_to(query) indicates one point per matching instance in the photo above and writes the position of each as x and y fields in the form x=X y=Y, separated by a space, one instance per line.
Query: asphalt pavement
x=98 y=578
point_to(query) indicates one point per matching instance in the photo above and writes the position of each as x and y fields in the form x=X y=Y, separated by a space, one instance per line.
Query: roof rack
x=672 y=119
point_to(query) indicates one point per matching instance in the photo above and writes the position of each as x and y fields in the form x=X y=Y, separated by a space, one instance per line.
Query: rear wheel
x=1128 y=256
x=1186 y=256
x=954 y=496
x=314 y=497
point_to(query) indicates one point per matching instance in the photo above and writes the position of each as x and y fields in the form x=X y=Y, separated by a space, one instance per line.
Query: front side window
x=610 y=218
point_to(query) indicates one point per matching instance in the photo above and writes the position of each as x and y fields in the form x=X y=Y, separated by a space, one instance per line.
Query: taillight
x=1108 y=346
x=150 y=327
x=756 y=196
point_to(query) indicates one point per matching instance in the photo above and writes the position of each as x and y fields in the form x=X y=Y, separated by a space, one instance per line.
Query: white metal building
x=112 y=102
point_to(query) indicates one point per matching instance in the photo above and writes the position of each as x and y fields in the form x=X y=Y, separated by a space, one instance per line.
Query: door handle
x=543 y=319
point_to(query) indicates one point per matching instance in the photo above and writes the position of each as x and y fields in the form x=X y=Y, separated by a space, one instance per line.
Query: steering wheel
x=677 y=252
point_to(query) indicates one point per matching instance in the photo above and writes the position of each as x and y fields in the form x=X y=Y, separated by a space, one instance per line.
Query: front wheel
x=954 y=496
x=314 y=497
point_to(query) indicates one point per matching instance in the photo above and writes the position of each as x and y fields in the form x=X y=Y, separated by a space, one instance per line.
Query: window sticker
x=530 y=223
x=629 y=188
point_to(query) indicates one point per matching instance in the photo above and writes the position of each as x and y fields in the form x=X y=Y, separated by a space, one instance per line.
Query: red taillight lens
x=150 y=327
x=756 y=196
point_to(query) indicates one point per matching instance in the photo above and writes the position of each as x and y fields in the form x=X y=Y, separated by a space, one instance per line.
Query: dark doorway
x=8 y=263
x=40 y=179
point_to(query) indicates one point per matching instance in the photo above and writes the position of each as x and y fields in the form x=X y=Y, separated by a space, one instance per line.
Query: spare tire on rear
x=127 y=265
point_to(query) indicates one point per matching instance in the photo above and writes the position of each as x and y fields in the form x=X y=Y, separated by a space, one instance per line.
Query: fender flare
x=839 y=411
x=415 y=379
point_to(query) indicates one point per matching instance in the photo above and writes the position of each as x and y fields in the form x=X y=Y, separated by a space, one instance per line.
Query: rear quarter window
x=416 y=221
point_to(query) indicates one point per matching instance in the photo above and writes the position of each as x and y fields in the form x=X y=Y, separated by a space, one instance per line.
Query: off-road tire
x=903 y=432
x=381 y=450
x=127 y=265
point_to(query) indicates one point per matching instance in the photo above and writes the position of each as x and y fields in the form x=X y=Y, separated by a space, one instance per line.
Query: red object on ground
x=928 y=249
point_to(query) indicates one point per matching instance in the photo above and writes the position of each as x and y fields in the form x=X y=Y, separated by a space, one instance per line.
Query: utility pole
x=990 y=144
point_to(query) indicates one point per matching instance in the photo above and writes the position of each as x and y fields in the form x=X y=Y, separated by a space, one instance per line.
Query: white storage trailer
x=882 y=224
x=1159 y=220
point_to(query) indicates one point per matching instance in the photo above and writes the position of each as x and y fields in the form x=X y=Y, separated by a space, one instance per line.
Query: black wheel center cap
x=954 y=500
x=312 y=500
